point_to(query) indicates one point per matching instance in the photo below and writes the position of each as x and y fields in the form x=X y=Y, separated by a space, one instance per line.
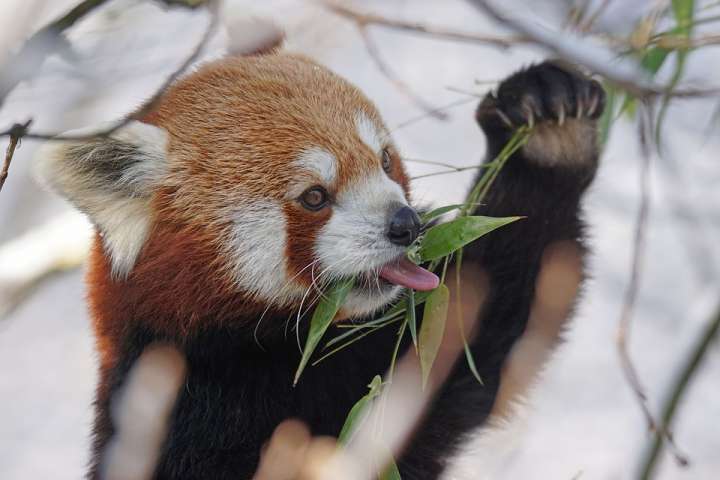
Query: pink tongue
x=409 y=275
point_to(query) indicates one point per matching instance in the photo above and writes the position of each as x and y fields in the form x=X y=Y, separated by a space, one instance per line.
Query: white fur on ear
x=111 y=179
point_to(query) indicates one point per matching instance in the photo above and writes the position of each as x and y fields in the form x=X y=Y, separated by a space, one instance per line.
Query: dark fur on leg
x=544 y=182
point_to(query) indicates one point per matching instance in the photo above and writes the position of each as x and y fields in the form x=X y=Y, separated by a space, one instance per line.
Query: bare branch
x=446 y=172
x=573 y=48
x=674 y=42
x=590 y=22
x=16 y=133
x=184 y=3
x=361 y=22
x=440 y=164
x=364 y=18
x=148 y=105
x=385 y=69
x=43 y=43
x=20 y=131
x=623 y=332
x=440 y=109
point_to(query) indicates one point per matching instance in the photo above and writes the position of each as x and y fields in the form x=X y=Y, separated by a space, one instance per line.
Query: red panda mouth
x=407 y=274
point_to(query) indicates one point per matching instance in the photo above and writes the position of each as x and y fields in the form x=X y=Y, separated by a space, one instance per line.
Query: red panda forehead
x=271 y=119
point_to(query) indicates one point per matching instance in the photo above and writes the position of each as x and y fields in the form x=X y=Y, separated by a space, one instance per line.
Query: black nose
x=404 y=227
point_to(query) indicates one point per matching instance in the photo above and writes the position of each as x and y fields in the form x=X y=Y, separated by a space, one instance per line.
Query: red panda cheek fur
x=303 y=228
x=176 y=287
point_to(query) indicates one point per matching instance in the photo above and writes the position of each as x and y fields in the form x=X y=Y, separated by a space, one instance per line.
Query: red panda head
x=255 y=180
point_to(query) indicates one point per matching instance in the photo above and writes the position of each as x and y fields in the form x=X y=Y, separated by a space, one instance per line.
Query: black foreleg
x=544 y=182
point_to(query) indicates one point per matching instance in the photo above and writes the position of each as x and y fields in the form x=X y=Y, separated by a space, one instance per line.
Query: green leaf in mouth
x=322 y=317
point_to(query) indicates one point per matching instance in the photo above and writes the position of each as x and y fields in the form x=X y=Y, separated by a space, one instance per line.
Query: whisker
x=274 y=300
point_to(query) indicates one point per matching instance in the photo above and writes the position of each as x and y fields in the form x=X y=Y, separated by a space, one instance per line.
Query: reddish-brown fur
x=234 y=128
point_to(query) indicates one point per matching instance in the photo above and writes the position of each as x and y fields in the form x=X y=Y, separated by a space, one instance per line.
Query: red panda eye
x=314 y=198
x=386 y=161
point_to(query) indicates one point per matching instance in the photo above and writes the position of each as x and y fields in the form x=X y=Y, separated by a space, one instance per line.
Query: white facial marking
x=354 y=239
x=368 y=132
x=257 y=245
x=110 y=180
x=320 y=162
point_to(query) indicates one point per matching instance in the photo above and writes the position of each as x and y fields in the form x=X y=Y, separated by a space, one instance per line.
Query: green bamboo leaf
x=653 y=59
x=357 y=411
x=443 y=239
x=410 y=316
x=432 y=328
x=355 y=417
x=391 y=472
x=360 y=336
x=321 y=320
x=684 y=10
x=629 y=106
x=471 y=362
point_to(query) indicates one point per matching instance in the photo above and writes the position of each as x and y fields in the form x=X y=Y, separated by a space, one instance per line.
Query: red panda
x=256 y=181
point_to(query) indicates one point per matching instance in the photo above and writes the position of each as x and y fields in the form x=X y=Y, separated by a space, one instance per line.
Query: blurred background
x=583 y=420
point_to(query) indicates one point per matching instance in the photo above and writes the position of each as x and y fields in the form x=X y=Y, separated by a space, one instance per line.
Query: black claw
x=549 y=91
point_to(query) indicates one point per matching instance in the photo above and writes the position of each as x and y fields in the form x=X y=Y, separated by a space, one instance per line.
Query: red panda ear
x=110 y=179
x=253 y=36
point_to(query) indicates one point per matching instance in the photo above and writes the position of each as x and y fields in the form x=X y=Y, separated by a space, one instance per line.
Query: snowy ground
x=584 y=419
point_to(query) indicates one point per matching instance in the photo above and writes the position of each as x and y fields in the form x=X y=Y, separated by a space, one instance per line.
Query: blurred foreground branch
x=361 y=22
x=389 y=73
x=18 y=131
x=625 y=74
x=141 y=414
x=45 y=42
x=58 y=245
x=147 y=106
x=365 y=18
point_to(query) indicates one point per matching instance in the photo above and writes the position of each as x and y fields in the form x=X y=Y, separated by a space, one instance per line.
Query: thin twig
x=437 y=110
x=43 y=43
x=588 y=25
x=454 y=170
x=691 y=365
x=148 y=105
x=361 y=22
x=624 y=326
x=16 y=133
x=388 y=72
x=627 y=76
x=674 y=42
x=439 y=164
x=365 y=18
x=623 y=332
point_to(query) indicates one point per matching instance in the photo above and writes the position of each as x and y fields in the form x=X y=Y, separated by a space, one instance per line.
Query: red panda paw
x=558 y=102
